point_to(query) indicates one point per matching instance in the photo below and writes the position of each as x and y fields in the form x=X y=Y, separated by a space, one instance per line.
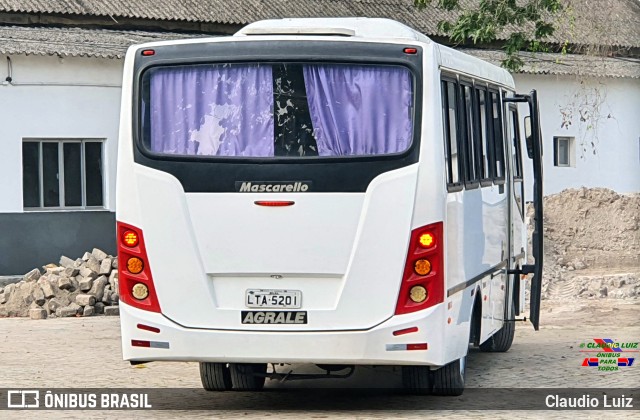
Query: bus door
x=534 y=152
x=517 y=209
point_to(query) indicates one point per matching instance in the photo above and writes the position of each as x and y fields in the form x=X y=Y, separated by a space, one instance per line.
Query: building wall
x=603 y=116
x=63 y=98
x=33 y=239
x=55 y=97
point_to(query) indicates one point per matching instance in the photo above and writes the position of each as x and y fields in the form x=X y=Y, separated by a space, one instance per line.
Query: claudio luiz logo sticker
x=606 y=354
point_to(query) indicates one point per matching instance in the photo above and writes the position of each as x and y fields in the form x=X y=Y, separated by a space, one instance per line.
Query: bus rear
x=265 y=204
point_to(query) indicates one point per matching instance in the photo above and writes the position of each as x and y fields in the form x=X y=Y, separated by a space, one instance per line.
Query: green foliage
x=524 y=23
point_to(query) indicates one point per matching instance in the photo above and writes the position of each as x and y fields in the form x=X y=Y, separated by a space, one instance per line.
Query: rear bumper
x=377 y=346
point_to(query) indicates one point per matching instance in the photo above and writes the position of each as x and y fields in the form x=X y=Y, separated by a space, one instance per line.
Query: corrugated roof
x=566 y=64
x=75 y=42
x=104 y=43
x=601 y=22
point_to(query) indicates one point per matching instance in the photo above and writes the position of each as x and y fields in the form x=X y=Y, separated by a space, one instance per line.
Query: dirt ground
x=85 y=353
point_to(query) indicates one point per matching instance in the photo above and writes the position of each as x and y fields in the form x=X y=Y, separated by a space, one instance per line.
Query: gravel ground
x=85 y=353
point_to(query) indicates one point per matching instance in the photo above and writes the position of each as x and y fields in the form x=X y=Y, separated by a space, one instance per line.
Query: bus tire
x=244 y=378
x=502 y=340
x=449 y=379
x=417 y=379
x=215 y=376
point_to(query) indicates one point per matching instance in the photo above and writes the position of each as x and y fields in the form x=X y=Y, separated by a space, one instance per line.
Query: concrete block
x=64 y=283
x=66 y=262
x=88 y=310
x=85 y=300
x=105 y=266
x=99 y=254
x=32 y=275
x=38 y=296
x=38 y=313
x=112 y=311
x=97 y=289
x=86 y=283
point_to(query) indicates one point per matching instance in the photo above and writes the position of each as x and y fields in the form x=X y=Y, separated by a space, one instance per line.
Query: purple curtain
x=359 y=110
x=215 y=110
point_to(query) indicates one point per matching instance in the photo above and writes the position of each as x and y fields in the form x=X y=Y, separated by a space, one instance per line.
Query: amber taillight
x=423 y=278
x=134 y=272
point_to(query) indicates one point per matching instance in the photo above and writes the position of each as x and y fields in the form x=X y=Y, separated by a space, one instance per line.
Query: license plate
x=269 y=298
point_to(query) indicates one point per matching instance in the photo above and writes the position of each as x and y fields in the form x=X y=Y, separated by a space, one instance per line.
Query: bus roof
x=347 y=27
x=454 y=61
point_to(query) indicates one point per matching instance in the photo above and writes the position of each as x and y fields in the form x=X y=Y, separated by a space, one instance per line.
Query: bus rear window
x=277 y=110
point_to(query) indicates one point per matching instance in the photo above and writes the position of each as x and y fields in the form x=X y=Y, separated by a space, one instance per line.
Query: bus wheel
x=417 y=379
x=248 y=376
x=502 y=340
x=449 y=379
x=215 y=376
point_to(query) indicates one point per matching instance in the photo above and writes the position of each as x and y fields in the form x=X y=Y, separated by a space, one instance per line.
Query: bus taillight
x=423 y=279
x=130 y=238
x=134 y=274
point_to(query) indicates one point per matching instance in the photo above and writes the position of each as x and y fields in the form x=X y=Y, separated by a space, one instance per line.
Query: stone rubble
x=86 y=286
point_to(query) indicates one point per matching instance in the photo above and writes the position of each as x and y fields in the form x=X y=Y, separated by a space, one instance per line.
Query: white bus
x=339 y=192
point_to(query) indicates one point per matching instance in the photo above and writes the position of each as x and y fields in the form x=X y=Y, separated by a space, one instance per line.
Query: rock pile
x=82 y=287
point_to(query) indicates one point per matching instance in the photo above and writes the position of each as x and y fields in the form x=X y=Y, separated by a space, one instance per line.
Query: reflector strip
x=418 y=346
x=148 y=328
x=151 y=344
x=274 y=203
x=406 y=331
x=415 y=346
x=159 y=344
x=396 y=347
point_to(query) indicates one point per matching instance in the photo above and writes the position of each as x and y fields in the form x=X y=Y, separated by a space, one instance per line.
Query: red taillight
x=133 y=269
x=274 y=203
x=433 y=281
x=148 y=328
x=405 y=331
x=147 y=53
x=410 y=50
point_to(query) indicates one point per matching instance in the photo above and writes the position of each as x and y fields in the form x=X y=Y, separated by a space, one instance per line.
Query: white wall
x=57 y=98
x=602 y=111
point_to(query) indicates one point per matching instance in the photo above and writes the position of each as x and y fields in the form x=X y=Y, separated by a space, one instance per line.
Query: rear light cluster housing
x=134 y=274
x=423 y=278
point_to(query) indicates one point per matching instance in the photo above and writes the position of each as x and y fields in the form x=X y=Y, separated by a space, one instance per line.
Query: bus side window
x=485 y=134
x=516 y=158
x=471 y=161
x=498 y=140
x=517 y=153
x=449 y=106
